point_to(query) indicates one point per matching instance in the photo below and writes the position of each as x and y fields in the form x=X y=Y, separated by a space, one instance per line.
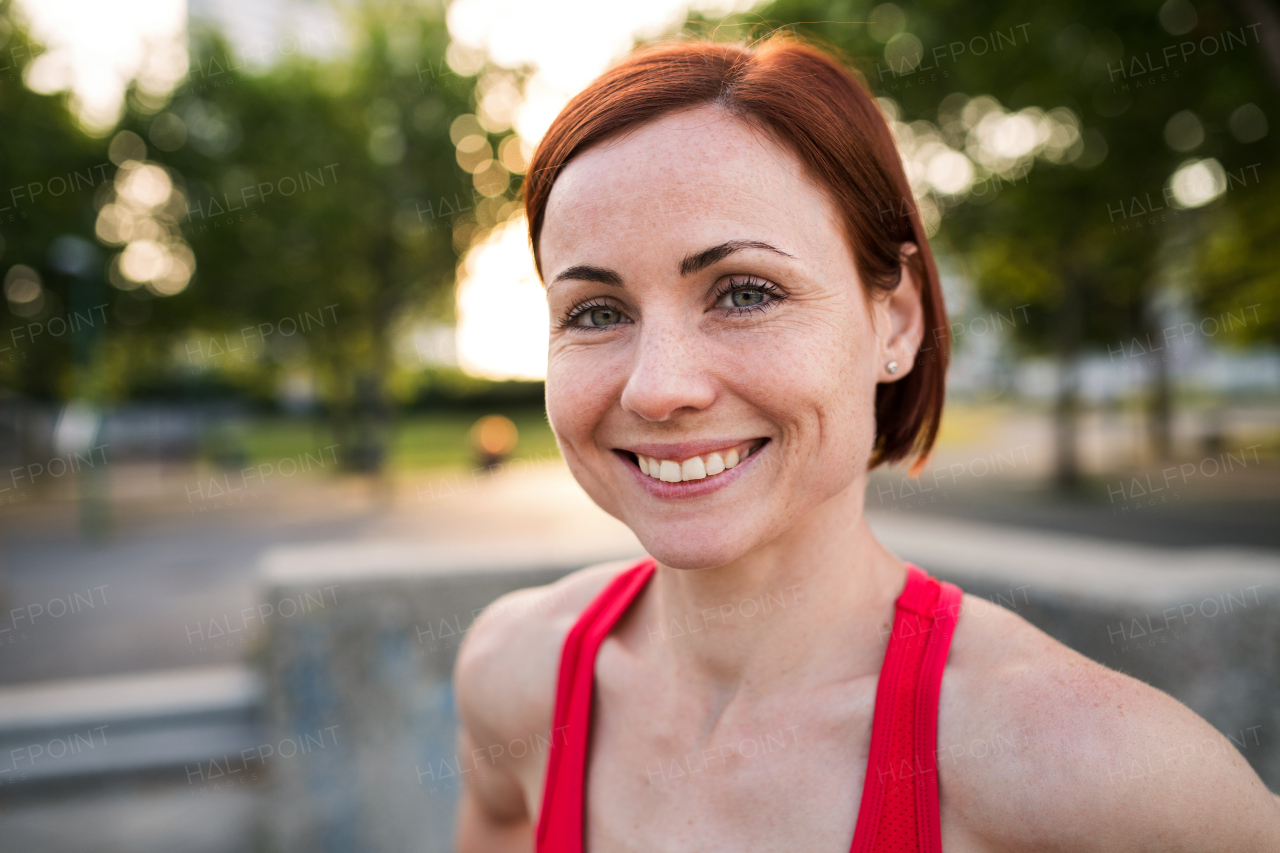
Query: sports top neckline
x=899 y=808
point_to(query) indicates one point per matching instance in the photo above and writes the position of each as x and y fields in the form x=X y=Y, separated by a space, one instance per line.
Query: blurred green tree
x=320 y=198
x=1078 y=220
x=54 y=306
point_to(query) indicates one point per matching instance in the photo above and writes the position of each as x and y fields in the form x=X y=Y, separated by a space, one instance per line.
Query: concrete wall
x=359 y=675
x=364 y=680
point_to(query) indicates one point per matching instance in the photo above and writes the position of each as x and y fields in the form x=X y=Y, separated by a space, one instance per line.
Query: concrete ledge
x=58 y=730
x=374 y=667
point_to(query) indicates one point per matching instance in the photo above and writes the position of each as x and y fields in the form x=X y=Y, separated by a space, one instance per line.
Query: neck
x=813 y=604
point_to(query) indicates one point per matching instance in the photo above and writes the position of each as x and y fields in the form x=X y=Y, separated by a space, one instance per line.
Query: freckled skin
x=671 y=362
x=679 y=369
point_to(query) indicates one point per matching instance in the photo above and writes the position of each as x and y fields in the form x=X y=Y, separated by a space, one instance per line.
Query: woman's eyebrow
x=691 y=264
x=707 y=257
x=584 y=272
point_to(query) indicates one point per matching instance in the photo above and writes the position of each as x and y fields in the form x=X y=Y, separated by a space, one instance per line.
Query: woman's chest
x=785 y=774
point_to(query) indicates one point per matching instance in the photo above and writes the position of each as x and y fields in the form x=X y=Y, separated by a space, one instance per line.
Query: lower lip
x=693 y=488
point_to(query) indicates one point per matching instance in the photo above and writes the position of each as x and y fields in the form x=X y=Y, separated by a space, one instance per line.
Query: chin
x=694 y=546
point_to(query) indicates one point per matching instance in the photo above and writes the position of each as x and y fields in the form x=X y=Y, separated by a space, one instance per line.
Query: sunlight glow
x=502 y=308
x=95 y=49
x=501 y=332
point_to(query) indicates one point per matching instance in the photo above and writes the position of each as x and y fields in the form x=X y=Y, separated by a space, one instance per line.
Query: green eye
x=594 y=316
x=748 y=295
x=601 y=317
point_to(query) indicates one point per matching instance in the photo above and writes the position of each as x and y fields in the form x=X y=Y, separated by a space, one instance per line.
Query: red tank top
x=899 y=811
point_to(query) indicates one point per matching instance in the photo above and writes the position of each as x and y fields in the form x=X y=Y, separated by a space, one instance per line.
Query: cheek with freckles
x=581 y=392
x=814 y=378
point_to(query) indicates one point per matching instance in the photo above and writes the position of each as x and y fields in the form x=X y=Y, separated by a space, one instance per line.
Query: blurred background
x=270 y=319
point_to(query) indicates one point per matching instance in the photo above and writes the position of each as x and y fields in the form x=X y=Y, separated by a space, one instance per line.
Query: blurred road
x=75 y=606
x=72 y=606
x=181 y=554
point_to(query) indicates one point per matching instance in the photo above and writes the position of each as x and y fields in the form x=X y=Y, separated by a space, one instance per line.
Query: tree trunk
x=1160 y=411
x=1065 y=426
x=1066 y=409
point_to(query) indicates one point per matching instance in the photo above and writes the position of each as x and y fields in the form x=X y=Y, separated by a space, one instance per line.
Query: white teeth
x=693 y=469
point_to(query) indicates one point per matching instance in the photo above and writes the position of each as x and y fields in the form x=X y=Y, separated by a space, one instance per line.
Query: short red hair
x=811 y=102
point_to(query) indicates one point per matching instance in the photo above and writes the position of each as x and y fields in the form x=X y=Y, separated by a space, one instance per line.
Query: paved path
x=75 y=607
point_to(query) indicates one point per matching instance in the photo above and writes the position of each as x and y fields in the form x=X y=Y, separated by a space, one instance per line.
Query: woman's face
x=704 y=307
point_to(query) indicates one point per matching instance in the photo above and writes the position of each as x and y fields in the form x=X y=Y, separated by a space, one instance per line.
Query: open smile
x=692 y=468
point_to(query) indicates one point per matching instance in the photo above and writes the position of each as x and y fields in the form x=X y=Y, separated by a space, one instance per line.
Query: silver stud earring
x=892 y=367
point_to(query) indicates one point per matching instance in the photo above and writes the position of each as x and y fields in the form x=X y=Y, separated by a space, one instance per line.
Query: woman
x=739 y=287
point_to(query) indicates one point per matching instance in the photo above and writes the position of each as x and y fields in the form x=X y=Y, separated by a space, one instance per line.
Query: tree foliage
x=319 y=197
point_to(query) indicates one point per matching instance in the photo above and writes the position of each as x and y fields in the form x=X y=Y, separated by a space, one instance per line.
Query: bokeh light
x=141 y=211
x=494 y=435
x=1198 y=182
x=502 y=308
x=96 y=49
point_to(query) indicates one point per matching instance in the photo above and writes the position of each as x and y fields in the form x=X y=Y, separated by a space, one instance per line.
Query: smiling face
x=706 y=310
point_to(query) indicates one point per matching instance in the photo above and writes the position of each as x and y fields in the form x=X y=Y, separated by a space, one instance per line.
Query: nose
x=670 y=374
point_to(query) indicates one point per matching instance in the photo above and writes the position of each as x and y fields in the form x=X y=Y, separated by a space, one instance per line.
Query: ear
x=900 y=322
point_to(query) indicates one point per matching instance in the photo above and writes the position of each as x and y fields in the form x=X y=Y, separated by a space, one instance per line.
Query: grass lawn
x=421 y=440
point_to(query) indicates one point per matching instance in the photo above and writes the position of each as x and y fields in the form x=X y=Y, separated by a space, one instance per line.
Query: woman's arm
x=505 y=684
x=496 y=706
x=492 y=817
x=1056 y=752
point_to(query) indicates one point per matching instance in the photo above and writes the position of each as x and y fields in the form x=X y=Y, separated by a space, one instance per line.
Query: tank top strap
x=899 y=810
x=560 y=825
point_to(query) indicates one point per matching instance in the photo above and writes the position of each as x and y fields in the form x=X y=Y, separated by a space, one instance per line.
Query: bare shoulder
x=1040 y=747
x=505 y=675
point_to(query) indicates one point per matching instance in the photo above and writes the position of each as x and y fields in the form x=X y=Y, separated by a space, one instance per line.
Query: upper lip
x=680 y=451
